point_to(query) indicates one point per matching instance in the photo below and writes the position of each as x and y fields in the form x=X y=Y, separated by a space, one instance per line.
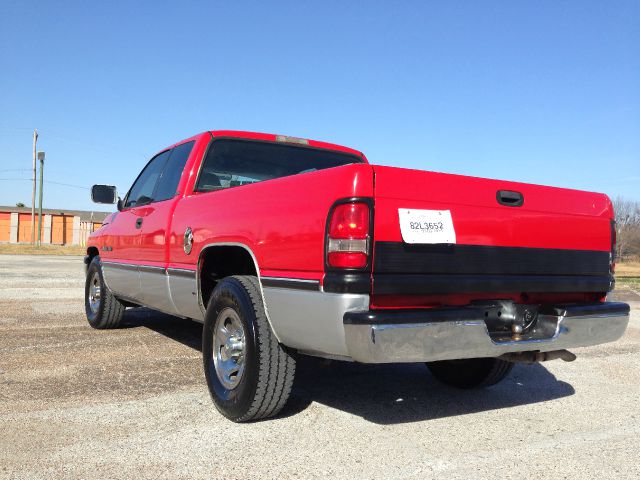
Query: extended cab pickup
x=284 y=246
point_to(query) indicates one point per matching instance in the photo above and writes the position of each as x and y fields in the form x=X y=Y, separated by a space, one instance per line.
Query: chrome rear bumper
x=457 y=333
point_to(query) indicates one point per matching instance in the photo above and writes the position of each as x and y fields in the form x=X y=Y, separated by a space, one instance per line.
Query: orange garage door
x=24 y=227
x=57 y=229
x=68 y=230
x=5 y=225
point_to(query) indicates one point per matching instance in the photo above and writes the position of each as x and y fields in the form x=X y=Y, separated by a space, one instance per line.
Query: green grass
x=632 y=283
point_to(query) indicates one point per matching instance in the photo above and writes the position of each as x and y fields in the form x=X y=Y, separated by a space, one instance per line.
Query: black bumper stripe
x=459 y=314
x=398 y=257
x=359 y=282
x=453 y=284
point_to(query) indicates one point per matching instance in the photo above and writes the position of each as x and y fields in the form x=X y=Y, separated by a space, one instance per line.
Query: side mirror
x=104 y=194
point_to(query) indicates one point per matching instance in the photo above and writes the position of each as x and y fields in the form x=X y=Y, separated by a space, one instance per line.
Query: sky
x=545 y=92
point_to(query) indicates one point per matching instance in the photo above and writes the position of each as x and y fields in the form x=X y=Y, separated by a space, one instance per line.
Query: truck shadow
x=404 y=393
x=187 y=332
x=382 y=394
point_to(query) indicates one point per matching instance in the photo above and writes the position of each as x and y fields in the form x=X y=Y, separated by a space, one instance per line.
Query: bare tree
x=627 y=214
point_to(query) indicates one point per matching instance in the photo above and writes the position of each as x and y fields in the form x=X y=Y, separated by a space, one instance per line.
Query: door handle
x=510 y=198
x=139 y=222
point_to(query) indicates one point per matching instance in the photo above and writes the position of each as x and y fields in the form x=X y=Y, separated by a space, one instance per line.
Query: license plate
x=426 y=226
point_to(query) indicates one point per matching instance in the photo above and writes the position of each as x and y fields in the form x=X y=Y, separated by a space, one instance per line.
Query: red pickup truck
x=285 y=246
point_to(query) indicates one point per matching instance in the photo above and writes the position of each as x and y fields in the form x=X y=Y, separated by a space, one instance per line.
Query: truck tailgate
x=556 y=240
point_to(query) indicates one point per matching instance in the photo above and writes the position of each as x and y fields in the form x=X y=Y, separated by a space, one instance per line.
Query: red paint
x=550 y=217
x=121 y=235
x=153 y=234
x=282 y=220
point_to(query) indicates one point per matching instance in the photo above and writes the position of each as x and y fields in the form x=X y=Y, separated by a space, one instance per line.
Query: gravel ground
x=132 y=403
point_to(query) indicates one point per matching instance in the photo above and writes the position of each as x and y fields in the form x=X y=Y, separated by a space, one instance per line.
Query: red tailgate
x=549 y=217
x=555 y=241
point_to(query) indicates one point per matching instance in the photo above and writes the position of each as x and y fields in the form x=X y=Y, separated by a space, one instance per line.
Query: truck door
x=121 y=266
x=155 y=224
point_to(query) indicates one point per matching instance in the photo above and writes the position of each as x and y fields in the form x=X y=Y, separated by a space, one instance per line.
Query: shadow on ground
x=187 y=332
x=383 y=394
x=402 y=393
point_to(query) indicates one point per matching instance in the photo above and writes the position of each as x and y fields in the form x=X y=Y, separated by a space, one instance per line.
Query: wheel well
x=217 y=262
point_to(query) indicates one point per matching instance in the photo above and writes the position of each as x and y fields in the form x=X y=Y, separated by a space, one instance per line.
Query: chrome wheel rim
x=95 y=293
x=229 y=348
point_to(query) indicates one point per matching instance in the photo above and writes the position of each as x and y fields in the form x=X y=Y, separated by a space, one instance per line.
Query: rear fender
x=207 y=248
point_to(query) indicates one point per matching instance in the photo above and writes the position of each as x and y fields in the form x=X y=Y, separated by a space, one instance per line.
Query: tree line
x=628 y=228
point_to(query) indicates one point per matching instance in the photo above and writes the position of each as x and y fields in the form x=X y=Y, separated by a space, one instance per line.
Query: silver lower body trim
x=311 y=321
x=449 y=340
x=154 y=289
x=183 y=286
x=172 y=290
x=122 y=279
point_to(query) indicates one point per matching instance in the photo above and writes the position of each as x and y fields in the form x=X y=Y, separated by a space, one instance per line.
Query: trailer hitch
x=535 y=357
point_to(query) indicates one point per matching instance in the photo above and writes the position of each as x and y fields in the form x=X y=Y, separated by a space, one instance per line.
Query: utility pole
x=41 y=158
x=33 y=191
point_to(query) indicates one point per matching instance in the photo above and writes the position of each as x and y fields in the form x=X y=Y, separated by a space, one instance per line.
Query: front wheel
x=249 y=374
x=102 y=308
x=471 y=372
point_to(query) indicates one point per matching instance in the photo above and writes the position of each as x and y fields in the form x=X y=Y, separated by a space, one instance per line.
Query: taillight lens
x=350 y=220
x=348 y=242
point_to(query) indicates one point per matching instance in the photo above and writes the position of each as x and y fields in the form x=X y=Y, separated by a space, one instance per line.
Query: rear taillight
x=348 y=236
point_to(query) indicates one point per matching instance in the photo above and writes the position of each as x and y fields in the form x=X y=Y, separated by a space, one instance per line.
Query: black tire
x=268 y=369
x=109 y=311
x=470 y=373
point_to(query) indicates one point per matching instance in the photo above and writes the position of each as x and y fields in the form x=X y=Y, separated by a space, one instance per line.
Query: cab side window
x=172 y=172
x=143 y=188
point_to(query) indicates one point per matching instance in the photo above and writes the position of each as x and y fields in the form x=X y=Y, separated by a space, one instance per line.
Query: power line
x=47 y=181
x=66 y=184
x=58 y=172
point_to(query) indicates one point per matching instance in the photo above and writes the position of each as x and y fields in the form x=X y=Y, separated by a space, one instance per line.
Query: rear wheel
x=470 y=373
x=102 y=308
x=249 y=374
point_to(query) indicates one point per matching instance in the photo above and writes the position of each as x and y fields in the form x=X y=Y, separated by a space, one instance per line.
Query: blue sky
x=538 y=91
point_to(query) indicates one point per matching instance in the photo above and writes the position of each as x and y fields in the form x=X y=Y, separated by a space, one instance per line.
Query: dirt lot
x=628 y=269
x=132 y=403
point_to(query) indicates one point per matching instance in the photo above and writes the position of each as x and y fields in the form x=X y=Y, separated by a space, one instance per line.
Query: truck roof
x=272 y=137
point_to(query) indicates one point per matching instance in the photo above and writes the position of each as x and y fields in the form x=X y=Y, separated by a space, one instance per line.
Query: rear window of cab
x=233 y=162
